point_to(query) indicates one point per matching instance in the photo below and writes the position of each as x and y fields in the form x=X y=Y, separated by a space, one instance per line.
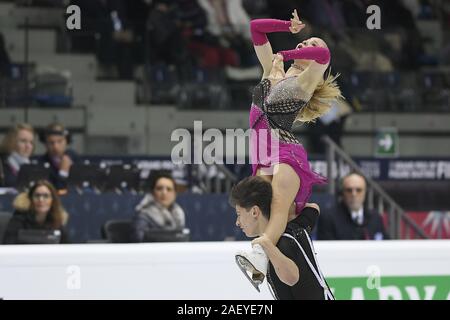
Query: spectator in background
x=277 y=9
x=351 y=220
x=38 y=209
x=399 y=18
x=5 y=61
x=445 y=9
x=56 y=139
x=107 y=23
x=202 y=44
x=16 y=151
x=445 y=20
x=165 y=38
x=5 y=70
x=326 y=14
x=137 y=14
x=158 y=210
x=228 y=21
x=354 y=12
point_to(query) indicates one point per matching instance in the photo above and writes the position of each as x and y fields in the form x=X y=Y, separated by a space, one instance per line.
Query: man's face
x=247 y=221
x=56 y=145
x=354 y=192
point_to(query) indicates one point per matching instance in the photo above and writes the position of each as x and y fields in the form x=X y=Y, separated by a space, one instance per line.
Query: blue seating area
x=209 y=217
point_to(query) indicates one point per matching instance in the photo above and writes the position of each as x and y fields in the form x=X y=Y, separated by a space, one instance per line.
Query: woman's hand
x=277 y=70
x=278 y=58
x=296 y=24
x=262 y=240
x=277 y=62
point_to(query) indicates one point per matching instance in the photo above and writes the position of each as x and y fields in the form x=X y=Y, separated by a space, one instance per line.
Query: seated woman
x=16 y=150
x=38 y=209
x=158 y=210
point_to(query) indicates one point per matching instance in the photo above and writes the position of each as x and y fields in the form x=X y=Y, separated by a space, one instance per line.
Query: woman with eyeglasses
x=38 y=209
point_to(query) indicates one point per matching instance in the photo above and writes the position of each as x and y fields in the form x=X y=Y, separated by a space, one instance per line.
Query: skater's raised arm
x=259 y=29
x=318 y=54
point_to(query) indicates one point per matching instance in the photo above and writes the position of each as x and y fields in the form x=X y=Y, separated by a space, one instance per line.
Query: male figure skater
x=293 y=272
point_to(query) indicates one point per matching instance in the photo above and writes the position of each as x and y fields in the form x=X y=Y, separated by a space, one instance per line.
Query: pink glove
x=319 y=54
x=259 y=28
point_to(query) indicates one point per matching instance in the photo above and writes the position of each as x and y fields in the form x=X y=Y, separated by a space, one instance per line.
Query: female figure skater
x=280 y=99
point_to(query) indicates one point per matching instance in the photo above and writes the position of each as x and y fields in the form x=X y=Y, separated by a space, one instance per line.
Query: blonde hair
x=320 y=102
x=9 y=142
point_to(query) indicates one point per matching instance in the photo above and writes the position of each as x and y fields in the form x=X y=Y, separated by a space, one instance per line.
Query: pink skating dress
x=276 y=107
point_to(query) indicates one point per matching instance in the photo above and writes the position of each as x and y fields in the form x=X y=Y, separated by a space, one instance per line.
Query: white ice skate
x=254 y=262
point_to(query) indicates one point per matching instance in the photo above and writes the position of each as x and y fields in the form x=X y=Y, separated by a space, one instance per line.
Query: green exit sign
x=386 y=142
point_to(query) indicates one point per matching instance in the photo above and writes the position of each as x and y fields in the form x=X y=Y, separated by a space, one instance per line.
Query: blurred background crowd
x=86 y=116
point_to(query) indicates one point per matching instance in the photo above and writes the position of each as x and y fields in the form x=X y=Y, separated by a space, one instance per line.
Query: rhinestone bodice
x=280 y=105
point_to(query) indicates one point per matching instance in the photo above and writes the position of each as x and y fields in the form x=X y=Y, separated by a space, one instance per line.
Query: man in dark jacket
x=351 y=220
x=60 y=158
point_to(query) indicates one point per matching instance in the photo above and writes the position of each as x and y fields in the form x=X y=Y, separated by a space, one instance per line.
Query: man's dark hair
x=252 y=191
x=55 y=129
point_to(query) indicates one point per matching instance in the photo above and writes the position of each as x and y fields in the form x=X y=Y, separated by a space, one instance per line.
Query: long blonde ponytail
x=320 y=102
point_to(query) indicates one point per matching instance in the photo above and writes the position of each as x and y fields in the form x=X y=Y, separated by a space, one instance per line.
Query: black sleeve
x=325 y=227
x=308 y=218
x=289 y=248
x=12 y=230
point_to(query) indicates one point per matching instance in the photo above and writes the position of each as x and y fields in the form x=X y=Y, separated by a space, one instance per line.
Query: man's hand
x=66 y=163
